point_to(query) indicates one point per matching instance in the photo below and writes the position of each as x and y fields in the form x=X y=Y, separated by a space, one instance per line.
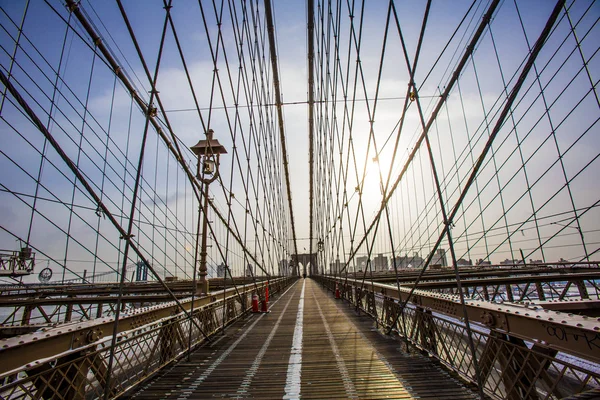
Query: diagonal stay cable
x=272 y=52
x=174 y=149
x=499 y=124
x=194 y=96
x=442 y=205
x=134 y=202
x=469 y=50
x=37 y=122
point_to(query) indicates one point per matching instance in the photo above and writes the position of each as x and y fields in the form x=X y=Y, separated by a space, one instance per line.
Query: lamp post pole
x=208 y=152
x=202 y=284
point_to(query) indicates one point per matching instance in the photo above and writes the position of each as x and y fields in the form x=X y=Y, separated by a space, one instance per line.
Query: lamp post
x=208 y=152
x=320 y=249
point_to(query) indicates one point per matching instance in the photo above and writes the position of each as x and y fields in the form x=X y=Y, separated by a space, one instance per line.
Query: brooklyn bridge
x=299 y=199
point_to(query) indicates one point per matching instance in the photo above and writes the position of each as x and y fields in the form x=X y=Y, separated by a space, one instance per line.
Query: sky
x=509 y=208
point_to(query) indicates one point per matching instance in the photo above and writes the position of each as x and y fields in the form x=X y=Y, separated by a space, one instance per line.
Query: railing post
x=540 y=291
x=26 y=317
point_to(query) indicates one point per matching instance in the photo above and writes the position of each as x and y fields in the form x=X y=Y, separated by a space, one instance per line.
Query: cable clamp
x=152 y=111
x=100 y=212
x=74 y=6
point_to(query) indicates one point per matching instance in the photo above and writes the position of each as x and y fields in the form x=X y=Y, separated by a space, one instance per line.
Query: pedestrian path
x=309 y=346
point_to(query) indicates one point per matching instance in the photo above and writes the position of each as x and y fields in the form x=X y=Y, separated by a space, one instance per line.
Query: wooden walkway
x=309 y=346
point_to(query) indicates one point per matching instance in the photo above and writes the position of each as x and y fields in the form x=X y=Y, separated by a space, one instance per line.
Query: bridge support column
x=486 y=294
x=69 y=312
x=509 y=293
x=207 y=318
x=348 y=293
x=358 y=299
x=230 y=310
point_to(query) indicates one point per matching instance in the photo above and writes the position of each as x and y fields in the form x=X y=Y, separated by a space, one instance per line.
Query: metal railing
x=81 y=371
x=509 y=366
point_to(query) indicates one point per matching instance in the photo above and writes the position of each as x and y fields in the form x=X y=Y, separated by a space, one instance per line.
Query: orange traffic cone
x=254 y=303
x=337 y=291
x=264 y=306
x=267 y=292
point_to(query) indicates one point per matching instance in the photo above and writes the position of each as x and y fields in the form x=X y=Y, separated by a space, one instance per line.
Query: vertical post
x=509 y=293
x=202 y=284
x=540 y=291
x=69 y=312
x=26 y=318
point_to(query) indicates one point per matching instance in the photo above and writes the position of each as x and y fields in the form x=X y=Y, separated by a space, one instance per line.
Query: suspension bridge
x=316 y=199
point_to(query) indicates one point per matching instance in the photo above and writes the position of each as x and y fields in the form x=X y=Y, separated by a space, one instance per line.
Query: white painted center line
x=243 y=389
x=292 y=382
x=187 y=393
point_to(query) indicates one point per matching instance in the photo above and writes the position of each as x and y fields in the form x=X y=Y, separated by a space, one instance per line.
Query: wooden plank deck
x=325 y=351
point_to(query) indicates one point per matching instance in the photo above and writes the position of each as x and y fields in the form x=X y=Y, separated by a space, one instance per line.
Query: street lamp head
x=208 y=152
x=208 y=146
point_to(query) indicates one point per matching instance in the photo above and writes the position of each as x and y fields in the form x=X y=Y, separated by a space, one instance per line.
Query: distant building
x=464 y=263
x=482 y=263
x=249 y=270
x=222 y=271
x=380 y=263
x=361 y=263
x=400 y=262
x=141 y=271
x=439 y=258
x=335 y=267
x=407 y=261
x=417 y=261
x=511 y=262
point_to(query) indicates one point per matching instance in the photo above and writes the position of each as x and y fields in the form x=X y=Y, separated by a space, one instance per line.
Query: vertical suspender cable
x=311 y=105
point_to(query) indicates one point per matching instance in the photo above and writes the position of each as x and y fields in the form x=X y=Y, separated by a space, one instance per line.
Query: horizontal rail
x=481 y=281
x=408 y=275
x=573 y=334
x=511 y=362
x=28 y=292
x=18 y=351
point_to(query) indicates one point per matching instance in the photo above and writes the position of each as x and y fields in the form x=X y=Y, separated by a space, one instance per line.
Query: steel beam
x=511 y=280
